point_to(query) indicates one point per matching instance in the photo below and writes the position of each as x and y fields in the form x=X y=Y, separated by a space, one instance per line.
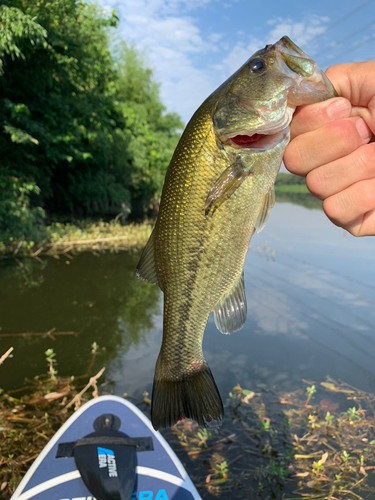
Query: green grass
x=291 y=188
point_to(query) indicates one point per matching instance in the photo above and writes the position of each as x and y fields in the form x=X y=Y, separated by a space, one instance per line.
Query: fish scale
x=217 y=192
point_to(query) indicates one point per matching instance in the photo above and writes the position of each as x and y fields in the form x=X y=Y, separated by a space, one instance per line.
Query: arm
x=331 y=147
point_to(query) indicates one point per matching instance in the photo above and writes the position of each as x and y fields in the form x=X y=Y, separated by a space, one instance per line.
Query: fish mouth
x=260 y=142
x=265 y=137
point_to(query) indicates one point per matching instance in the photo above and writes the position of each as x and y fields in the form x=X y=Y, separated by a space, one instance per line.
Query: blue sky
x=194 y=45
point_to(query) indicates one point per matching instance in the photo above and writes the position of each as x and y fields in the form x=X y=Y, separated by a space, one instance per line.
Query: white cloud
x=275 y=314
x=189 y=62
x=301 y=32
x=175 y=47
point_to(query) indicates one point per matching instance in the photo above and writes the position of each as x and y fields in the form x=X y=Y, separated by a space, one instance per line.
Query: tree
x=82 y=131
x=151 y=134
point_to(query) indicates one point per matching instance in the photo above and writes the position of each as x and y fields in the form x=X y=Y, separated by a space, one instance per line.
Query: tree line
x=83 y=131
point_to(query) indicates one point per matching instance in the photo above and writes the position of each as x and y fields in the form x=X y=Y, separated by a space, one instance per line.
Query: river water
x=311 y=313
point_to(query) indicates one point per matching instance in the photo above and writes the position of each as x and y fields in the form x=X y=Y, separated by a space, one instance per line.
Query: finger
x=326 y=144
x=338 y=175
x=354 y=81
x=314 y=116
x=353 y=208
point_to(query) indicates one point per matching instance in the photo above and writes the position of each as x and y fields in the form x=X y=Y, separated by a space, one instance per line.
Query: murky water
x=311 y=313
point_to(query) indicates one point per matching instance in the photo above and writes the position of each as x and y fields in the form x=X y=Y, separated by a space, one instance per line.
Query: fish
x=219 y=190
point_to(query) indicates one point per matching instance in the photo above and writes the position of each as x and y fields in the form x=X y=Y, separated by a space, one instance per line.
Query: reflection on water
x=310 y=312
x=98 y=297
x=304 y=199
x=311 y=307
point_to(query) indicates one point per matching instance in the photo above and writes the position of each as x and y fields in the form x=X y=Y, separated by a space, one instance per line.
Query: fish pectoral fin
x=225 y=186
x=146 y=269
x=265 y=210
x=231 y=310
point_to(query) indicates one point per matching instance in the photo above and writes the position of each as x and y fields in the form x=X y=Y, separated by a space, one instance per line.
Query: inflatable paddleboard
x=107 y=450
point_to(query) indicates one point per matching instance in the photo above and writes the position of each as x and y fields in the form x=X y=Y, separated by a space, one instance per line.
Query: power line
x=355 y=47
x=348 y=37
x=342 y=19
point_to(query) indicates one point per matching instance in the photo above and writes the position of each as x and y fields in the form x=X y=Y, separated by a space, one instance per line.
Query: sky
x=194 y=45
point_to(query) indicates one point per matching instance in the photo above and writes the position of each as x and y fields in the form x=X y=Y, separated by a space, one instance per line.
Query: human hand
x=331 y=146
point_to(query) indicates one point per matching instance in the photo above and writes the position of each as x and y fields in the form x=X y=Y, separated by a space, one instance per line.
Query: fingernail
x=340 y=108
x=363 y=129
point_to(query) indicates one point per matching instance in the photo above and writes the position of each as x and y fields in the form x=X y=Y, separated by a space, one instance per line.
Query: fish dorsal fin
x=230 y=312
x=146 y=269
x=265 y=210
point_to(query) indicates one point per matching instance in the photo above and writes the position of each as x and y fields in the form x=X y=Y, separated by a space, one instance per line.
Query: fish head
x=260 y=98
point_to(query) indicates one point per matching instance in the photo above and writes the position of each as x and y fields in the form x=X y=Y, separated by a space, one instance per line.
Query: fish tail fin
x=193 y=395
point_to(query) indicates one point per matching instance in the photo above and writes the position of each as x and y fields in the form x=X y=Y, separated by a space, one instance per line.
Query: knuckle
x=292 y=157
x=366 y=159
x=330 y=71
x=344 y=135
x=351 y=230
x=367 y=194
x=316 y=181
x=335 y=71
x=343 y=130
x=332 y=209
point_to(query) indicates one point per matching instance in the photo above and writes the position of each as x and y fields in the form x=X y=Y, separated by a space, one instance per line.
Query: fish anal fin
x=230 y=312
x=192 y=395
x=265 y=210
x=146 y=269
x=225 y=186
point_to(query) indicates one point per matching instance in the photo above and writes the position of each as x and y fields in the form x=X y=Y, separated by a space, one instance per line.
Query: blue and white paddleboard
x=107 y=450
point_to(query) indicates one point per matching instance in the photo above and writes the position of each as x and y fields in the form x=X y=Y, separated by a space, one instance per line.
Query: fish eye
x=256 y=65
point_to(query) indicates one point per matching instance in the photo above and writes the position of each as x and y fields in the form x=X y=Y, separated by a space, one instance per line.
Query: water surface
x=311 y=312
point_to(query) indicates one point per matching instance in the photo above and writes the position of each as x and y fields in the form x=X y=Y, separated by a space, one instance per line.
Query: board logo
x=106 y=458
x=149 y=495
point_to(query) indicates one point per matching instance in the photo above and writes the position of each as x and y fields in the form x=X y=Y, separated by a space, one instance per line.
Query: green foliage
x=352 y=414
x=151 y=135
x=15 y=26
x=17 y=218
x=329 y=418
x=293 y=184
x=291 y=188
x=289 y=180
x=310 y=391
x=85 y=127
x=222 y=469
x=51 y=361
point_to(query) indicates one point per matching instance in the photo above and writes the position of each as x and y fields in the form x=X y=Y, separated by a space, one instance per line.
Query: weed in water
x=352 y=414
x=204 y=435
x=94 y=348
x=50 y=357
x=310 y=391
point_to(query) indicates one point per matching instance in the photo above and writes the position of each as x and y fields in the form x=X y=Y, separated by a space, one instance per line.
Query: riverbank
x=67 y=239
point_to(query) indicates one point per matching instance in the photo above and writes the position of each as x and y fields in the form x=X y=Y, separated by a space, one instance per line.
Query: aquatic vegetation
x=50 y=357
x=277 y=445
x=272 y=445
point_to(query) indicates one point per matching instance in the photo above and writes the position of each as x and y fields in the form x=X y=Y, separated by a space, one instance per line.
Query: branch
x=92 y=382
x=4 y=356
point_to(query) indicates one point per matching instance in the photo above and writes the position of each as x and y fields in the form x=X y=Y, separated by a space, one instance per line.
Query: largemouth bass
x=219 y=190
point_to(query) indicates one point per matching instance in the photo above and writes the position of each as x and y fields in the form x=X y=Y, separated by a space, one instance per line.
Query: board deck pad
x=159 y=473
